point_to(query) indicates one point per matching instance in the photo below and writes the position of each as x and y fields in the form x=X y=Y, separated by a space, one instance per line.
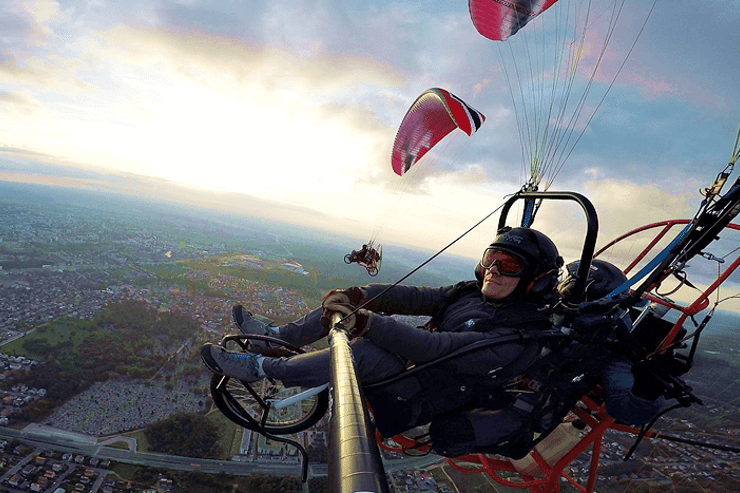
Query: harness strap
x=471 y=387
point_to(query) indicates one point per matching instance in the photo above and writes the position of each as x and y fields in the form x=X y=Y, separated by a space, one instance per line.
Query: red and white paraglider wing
x=500 y=19
x=433 y=115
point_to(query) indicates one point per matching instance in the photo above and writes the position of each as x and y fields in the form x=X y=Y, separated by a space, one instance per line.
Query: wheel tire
x=245 y=403
x=233 y=399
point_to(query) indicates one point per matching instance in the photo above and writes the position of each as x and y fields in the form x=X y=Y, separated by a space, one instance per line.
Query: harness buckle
x=523 y=384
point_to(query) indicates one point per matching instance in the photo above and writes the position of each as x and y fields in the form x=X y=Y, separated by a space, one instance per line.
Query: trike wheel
x=263 y=405
x=348 y=259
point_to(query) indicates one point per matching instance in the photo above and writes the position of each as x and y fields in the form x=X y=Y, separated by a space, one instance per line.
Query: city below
x=105 y=302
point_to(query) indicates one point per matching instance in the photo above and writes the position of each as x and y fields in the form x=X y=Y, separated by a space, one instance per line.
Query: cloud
x=228 y=100
x=227 y=64
x=26 y=23
x=621 y=206
x=30 y=48
x=19 y=103
x=684 y=57
x=299 y=101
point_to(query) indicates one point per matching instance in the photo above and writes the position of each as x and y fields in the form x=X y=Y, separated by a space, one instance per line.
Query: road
x=151 y=459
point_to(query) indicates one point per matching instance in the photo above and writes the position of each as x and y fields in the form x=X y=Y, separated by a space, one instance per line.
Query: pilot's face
x=497 y=286
x=501 y=274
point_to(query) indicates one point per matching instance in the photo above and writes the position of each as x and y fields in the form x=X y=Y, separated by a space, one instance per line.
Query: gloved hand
x=356 y=323
x=647 y=385
x=353 y=296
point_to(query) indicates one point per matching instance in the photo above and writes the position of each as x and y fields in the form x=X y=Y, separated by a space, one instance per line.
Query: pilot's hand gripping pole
x=354 y=459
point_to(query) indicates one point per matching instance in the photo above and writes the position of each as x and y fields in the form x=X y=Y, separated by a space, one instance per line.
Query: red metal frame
x=588 y=410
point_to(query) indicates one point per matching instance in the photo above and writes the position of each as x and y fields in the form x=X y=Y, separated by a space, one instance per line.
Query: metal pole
x=354 y=459
x=589 y=243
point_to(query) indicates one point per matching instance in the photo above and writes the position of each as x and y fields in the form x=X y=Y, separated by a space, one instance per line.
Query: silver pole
x=354 y=459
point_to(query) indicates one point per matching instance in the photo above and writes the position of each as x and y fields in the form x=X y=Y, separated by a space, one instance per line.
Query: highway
x=151 y=459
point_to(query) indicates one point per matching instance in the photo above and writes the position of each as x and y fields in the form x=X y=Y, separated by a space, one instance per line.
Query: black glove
x=357 y=322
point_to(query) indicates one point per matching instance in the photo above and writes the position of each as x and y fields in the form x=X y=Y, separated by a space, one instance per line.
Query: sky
x=297 y=103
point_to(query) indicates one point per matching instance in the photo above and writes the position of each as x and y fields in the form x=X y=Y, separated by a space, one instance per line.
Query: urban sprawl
x=61 y=261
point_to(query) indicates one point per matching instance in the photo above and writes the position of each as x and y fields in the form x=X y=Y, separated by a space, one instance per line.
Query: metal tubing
x=592 y=229
x=354 y=461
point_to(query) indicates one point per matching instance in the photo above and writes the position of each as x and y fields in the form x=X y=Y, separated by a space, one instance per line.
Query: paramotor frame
x=589 y=410
x=266 y=406
x=369 y=256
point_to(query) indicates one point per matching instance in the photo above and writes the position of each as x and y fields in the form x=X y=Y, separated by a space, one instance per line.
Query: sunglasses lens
x=508 y=264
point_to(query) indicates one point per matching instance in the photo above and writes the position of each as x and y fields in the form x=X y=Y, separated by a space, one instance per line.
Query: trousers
x=313 y=369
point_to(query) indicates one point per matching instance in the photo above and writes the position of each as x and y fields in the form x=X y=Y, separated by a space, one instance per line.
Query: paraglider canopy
x=556 y=59
x=433 y=115
x=499 y=19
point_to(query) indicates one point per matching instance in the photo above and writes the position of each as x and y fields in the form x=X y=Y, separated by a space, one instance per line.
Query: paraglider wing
x=499 y=19
x=433 y=115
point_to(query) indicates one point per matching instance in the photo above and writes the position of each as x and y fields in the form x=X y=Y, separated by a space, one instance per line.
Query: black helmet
x=603 y=278
x=540 y=253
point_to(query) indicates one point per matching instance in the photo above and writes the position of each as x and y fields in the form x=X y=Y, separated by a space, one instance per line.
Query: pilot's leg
x=313 y=369
x=303 y=331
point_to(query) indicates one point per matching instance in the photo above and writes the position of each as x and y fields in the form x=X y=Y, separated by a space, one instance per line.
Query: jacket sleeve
x=406 y=300
x=420 y=346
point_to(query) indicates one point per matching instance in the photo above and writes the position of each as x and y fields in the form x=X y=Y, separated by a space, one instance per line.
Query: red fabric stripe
x=500 y=19
x=433 y=115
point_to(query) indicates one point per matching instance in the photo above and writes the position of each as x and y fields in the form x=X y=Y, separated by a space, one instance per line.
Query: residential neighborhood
x=66 y=265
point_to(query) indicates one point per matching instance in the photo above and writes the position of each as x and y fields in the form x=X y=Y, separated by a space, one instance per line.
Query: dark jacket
x=462 y=316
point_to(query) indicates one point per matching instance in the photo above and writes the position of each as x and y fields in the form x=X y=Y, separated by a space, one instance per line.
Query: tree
x=189 y=435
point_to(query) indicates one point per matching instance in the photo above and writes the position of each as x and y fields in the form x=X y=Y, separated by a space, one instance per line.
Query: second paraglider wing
x=500 y=19
x=433 y=115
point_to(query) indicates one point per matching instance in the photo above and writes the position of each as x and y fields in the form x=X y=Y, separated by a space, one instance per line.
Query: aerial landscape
x=162 y=161
x=106 y=300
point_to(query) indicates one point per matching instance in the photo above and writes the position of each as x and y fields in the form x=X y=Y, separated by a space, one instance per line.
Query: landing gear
x=266 y=405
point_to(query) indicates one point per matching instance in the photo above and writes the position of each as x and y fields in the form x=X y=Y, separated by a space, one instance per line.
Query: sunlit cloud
x=299 y=103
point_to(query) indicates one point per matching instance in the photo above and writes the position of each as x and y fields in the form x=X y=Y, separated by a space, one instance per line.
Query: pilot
x=515 y=280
